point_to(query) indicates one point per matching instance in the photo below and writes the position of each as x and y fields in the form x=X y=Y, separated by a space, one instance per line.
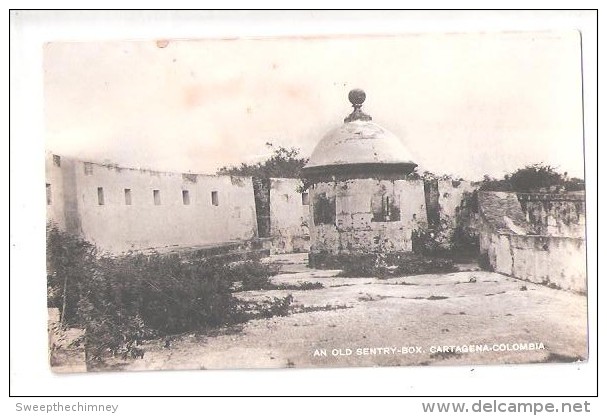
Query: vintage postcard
x=404 y=200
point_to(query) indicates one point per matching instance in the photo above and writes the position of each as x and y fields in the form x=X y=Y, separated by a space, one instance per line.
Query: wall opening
x=57 y=160
x=215 y=198
x=324 y=209
x=185 y=196
x=261 y=191
x=49 y=196
x=432 y=207
x=156 y=197
x=305 y=198
x=100 y=196
x=385 y=208
x=127 y=197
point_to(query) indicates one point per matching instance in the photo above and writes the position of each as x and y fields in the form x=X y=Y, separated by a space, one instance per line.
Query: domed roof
x=359 y=144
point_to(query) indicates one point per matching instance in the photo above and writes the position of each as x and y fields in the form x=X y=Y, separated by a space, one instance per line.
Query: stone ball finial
x=357 y=97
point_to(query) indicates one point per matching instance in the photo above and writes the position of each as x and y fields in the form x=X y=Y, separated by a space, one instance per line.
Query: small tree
x=283 y=163
x=535 y=177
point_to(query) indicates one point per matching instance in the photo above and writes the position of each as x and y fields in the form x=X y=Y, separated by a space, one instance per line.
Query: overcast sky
x=465 y=104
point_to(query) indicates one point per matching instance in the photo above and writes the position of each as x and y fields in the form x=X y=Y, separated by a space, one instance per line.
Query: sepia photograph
x=315 y=201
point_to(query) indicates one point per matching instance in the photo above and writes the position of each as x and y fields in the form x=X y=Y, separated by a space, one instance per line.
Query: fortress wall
x=556 y=214
x=289 y=216
x=54 y=191
x=451 y=194
x=158 y=215
x=557 y=261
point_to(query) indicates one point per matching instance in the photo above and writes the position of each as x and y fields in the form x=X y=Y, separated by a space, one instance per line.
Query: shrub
x=68 y=259
x=252 y=274
x=135 y=296
x=434 y=241
x=273 y=307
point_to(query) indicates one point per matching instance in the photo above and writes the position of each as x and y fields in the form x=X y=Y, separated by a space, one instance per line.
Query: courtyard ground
x=378 y=322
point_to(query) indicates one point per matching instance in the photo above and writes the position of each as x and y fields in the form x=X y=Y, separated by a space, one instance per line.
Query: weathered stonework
x=513 y=247
x=555 y=214
x=289 y=216
x=358 y=226
x=362 y=200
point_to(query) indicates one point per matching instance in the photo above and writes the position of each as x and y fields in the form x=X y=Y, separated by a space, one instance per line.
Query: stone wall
x=289 y=216
x=54 y=190
x=511 y=248
x=360 y=204
x=121 y=209
x=451 y=195
x=555 y=214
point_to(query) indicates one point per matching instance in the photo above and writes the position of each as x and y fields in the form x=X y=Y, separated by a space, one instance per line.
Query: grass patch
x=267 y=308
x=436 y=297
x=305 y=309
x=299 y=286
x=493 y=294
x=383 y=265
x=367 y=297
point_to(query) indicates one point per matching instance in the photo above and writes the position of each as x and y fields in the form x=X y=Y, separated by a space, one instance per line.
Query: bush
x=68 y=259
x=127 y=298
x=252 y=275
x=446 y=239
x=273 y=307
x=432 y=242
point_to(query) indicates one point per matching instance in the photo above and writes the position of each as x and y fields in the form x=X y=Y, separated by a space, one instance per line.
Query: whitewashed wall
x=289 y=216
x=118 y=227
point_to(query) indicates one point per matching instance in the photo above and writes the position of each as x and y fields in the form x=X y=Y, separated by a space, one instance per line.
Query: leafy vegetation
x=427 y=175
x=384 y=265
x=283 y=163
x=121 y=300
x=533 y=178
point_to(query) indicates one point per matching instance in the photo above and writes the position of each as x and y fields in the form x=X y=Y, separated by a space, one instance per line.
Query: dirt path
x=368 y=321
